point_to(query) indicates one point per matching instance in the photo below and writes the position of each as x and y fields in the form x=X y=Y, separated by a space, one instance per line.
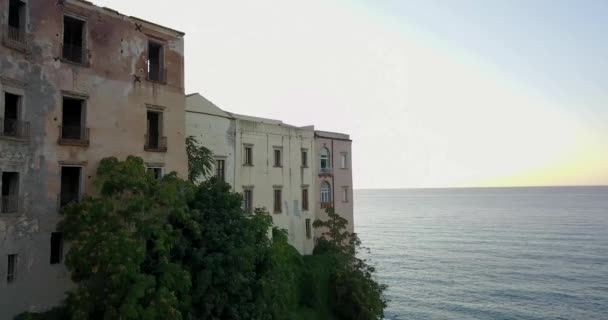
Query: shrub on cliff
x=353 y=291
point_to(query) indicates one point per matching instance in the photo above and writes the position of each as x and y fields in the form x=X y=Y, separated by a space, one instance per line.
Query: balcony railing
x=157 y=73
x=10 y=204
x=73 y=135
x=326 y=170
x=14 y=128
x=15 y=34
x=326 y=205
x=65 y=198
x=74 y=53
x=155 y=143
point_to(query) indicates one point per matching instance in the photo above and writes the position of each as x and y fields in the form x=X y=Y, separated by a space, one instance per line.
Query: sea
x=488 y=253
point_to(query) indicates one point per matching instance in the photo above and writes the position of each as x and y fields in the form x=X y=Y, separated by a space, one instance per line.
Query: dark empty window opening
x=249 y=155
x=278 y=200
x=220 y=170
x=153 y=135
x=9 y=202
x=56 y=247
x=10 y=124
x=73 y=39
x=304 y=158
x=304 y=199
x=73 y=119
x=155 y=62
x=308 y=229
x=10 y=268
x=16 y=20
x=157 y=173
x=70 y=185
x=277 y=157
x=248 y=201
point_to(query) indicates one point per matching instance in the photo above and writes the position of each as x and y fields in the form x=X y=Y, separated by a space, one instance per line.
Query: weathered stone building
x=77 y=83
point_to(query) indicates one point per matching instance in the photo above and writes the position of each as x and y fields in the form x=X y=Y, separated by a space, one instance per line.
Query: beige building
x=78 y=83
x=266 y=160
x=334 y=178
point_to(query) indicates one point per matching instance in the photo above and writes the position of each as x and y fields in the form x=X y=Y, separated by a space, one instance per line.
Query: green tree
x=120 y=246
x=353 y=291
x=200 y=160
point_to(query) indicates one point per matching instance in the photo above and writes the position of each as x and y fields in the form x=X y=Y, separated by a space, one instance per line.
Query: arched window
x=325 y=192
x=325 y=159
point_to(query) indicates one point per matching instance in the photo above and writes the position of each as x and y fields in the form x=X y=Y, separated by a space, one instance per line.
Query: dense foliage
x=200 y=160
x=353 y=291
x=145 y=248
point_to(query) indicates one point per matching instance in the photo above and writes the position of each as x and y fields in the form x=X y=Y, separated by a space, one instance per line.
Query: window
x=155 y=63
x=10 y=270
x=325 y=192
x=72 y=128
x=9 y=202
x=304 y=158
x=248 y=201
x=248 y=155
x=156 y=172
x=11 y=127
x=220 y=171
x=277 y=158
x=278 y=194
x=325 y=160
x=304 y=199
x=73 y=40
x=70 y=185
x=343 y=161
x=154 y=139
x=308 y=229
x=56 y=247
x=16 y=21
x=344 y=194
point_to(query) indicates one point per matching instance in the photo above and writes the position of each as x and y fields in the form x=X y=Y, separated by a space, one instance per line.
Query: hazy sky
x=434 y=93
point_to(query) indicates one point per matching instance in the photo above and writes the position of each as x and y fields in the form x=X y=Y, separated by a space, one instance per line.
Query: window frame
x=305 y=199
x=325 y=192
x=162 y=72
x=56 y=258
x=11 y=267
x=248 y=200
x=345 y=197
x=277 y=156
x=85 y=45
x=221 y=177
x=343 y=160
x=248 y=155
x=304 y=158
x=278 y=200
x=308 y=229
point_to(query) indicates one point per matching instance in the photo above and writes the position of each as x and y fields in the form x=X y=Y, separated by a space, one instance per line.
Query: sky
x=452 y=93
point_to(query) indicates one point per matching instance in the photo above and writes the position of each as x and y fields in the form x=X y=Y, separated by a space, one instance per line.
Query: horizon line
x=492 y=187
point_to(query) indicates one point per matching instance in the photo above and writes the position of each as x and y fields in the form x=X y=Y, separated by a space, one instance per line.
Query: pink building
x=334 y=178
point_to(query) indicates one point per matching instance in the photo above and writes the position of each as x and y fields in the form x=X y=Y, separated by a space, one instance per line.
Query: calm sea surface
x=500 y=253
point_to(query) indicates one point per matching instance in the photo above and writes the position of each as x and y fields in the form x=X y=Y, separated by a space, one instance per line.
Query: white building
x=269 y=162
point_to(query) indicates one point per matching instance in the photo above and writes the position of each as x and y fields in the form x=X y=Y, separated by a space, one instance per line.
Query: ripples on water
x=500 y=253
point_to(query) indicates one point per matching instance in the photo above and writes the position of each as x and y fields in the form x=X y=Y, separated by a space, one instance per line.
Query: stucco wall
x=117 y=97
x=264 y=177
x=214 y=131
x=339 y=178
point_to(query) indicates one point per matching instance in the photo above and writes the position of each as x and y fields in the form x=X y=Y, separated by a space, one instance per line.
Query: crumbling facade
x=78 y=83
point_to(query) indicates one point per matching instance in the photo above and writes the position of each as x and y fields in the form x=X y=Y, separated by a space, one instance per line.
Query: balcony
x=73 y=136
x=64 y=199
x=326 y=171
x=74 y=54
x=10 y=204
x=13 y=128
x=155 y=143
x=14 y=37
x=157 y=73
x=326 y=205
